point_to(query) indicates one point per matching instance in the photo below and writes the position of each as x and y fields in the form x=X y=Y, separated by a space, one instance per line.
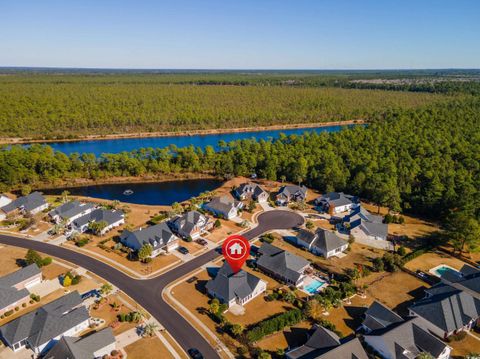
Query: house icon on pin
x=235 y=249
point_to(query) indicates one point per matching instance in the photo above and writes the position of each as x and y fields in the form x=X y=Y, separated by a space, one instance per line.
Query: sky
x=241 y=34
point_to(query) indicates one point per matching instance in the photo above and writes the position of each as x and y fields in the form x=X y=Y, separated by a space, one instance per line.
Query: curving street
x=148 y=293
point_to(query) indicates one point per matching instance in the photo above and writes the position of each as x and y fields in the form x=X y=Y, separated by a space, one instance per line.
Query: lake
x=152 y=193
x=129 y=144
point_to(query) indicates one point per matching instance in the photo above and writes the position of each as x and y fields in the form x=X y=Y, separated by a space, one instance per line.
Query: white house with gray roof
x=191 y=224
x=291 y=193
x=335 y=202
x=41 y=328
x=95 y=345
x=238 y=288
x=282 y=265
x=31 y=204
x=112 y=218
x=253 y=191
x=325 y=344
x=70 y=211
x=378 y=316
x=14 y=287
x=447 y=309
x=224 y=207
x=406 y=340
x=4 y=200
x=321 y=242
x=159 y=236
x=363 y=225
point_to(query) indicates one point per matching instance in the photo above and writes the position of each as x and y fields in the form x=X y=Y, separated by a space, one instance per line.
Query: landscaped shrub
x=414 y=255
x=24 y=305
x=8 y=313
x=34 y=297
x=46 y=261
x=17 y=309
x=274 y=324
x=401 y=251
x=268 y=237
x=457 y=337
x=82 y=242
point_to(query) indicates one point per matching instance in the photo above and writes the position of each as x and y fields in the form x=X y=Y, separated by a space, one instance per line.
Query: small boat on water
x=127 y=192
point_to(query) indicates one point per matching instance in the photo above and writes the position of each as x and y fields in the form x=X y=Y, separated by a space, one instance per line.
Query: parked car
x=195 y=353
x=201 y=241
x=183 y=250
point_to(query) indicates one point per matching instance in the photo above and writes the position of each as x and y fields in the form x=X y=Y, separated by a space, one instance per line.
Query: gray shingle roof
x=71 y=209
x=81 y=348
x=99 y=215
x=281 y=262
x=187 y=221
x=325 y=344
x=158 y=236
x=468 y=280
x=222 y=204
x=336 y=199
x=8 y=293
x=29 y=202
x=230 y=286
x=47 y=322
x=450 y=310
x=412 y=335
x=249 y=189
x=379 y=316
x=293 y=191
x=371 y=224
x=324 y=240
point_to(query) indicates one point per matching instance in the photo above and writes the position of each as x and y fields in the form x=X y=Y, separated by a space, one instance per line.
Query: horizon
x=219 y=35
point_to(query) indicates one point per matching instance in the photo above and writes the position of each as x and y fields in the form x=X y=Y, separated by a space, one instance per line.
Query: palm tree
x=65 y=195
x=106 y=289
x=150 y=329
x=424 y=355
x=136 y=316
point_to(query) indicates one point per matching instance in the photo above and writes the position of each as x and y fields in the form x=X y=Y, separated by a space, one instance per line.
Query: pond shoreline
x=121 y=180
x=19 y=140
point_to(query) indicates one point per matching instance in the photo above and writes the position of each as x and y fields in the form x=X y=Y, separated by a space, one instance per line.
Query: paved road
x=148 y=293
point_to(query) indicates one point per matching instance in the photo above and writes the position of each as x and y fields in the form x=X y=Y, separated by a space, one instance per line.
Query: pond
x=129 y=144
x=151 y=193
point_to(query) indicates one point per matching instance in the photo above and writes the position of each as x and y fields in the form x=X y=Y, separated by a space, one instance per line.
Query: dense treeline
x=62 y=106
x=426 y=161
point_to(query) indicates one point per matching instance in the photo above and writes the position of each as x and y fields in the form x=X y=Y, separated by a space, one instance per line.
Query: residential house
x=407 y=339
x=14 y=287
x=41 y=328
x=335 y=202
x=448 y=310
x=363 y=225
x=235 y=288
x=30 y=204
x=4 y=200
x=224 y=207
x=95 y=345
x=291 y=193
x=467 y=280
x=191 y=224
x=159 y=236
x=112 y=218
x=321 y=242
x=282 y=265
x=379 y=317
x=325 y=344
x=253 y=191
x=70 y=211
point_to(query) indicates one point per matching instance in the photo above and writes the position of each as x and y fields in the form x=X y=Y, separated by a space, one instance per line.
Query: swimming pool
x=314 y=286
x=440 y=270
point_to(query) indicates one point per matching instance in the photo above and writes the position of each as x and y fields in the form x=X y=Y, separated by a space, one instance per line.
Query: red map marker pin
x=236 y=250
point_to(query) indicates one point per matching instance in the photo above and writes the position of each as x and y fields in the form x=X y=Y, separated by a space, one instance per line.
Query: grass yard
x=466 y=346
x=107 y=313
x=227 y=228
x=147 y=348
x=293 y=336
x=157 y=263
x=396 y=290
x=427 y=261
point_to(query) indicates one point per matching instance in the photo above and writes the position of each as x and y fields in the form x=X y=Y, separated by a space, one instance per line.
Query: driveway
x=148 y=293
